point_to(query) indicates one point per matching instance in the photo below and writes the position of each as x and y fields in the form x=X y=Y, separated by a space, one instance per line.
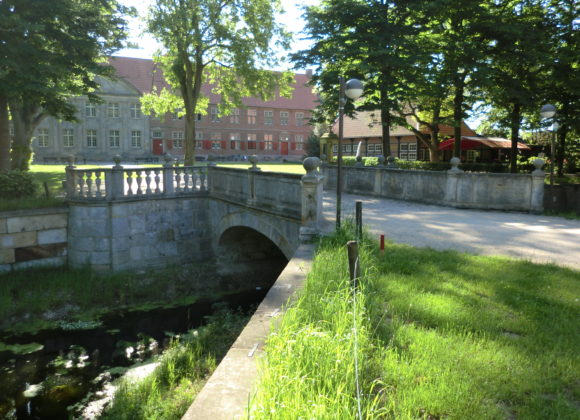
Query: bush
x=17 y=184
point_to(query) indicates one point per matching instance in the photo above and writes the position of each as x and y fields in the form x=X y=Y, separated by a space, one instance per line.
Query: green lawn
x=439 y=335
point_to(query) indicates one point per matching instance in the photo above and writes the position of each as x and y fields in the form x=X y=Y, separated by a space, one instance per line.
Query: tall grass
x=183 y=369
x=441 y=335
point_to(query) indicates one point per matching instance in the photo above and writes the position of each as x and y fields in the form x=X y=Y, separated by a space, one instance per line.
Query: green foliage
x=313 y=145
x=440 y=334
x=17 y=184
x=216 y=43
x=170 y=390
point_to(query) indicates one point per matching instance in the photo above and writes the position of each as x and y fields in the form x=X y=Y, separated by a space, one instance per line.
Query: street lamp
x=549 y=111
x=353 y=89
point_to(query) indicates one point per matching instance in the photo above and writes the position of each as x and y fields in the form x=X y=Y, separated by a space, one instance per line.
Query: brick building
x=275 y=130
x=366 y=127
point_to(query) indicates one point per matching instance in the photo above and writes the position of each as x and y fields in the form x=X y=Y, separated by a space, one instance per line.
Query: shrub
x=17 y=184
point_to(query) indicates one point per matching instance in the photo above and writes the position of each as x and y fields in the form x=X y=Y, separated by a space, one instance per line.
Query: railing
x=120 y=183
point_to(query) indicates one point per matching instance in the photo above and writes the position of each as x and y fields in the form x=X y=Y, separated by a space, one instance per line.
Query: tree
x=222 y=43
x=51 y=51
x=369 y=39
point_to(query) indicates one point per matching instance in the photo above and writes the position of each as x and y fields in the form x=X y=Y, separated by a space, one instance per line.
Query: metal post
x=341 y=101
x=552 y=152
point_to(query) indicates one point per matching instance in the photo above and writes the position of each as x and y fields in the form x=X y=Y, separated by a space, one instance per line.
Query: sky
x=147 y=45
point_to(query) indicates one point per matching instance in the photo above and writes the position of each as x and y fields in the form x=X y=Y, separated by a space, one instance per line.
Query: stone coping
x=258 y=173
x=34 y=212
x=226 y=394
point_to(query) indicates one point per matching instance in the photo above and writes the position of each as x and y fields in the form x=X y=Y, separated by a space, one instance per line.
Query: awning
x=476 y=143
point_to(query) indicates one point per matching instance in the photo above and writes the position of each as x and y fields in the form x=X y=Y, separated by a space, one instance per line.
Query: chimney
x=309 y=73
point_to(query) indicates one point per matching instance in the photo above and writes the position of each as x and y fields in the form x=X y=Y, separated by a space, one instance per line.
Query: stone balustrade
x=109 y=184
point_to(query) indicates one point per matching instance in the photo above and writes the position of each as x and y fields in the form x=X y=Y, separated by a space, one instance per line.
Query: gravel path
x=519 y=235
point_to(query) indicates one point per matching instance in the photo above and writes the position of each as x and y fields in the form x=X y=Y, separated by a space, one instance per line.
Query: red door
x=157 y=147
x=284 y=148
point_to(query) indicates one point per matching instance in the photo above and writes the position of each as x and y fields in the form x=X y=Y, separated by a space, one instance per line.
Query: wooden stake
x=353 y=264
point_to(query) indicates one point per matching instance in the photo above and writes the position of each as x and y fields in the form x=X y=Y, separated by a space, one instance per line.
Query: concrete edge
x=226 y=394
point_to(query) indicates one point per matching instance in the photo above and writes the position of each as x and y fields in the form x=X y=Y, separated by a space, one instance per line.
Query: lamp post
x=353 y=89
x=549 y=111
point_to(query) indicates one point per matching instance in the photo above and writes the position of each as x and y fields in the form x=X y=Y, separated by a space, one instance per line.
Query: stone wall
x=140 y=234
x=455 y=188
x=33 y=238
x=562 y=198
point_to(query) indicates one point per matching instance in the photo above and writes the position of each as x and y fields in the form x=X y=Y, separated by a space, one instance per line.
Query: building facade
x=274 y=130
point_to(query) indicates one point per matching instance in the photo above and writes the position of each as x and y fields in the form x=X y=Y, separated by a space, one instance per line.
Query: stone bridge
x=124 y=219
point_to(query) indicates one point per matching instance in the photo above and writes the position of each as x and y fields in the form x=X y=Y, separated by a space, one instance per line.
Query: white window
x=42 y=137
x=283 y=118
x=299 y=142
x=198 y=135
x=252 y=113
x=374 y=149
x=251 y=141
x=135 y=110
x=284 y=137
x=157 y=134
x=113 y=110
x=136 y=138
x=114 y=138
x=68 y=137
x=91 y=138
x=198 y=117
x=214 y=114
x=268 y=117
x=216 y=145
x=268 y=141
x=235 y=117
x=472 y=155
x=300 y=119
x=198 y=139
x=177 y=137
x=90 y=110
x=408 y=151
x=235 y=142
x=335 y=148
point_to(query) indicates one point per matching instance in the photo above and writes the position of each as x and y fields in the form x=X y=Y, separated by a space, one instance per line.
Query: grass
x=182 y=372
x=440 y=335
x=39 y=298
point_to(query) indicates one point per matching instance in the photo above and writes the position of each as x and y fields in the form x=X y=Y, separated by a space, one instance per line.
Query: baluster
x=177 y=180
x=139 y=175
x=186 y=180
x=129 y=183
x=157 y=179
x=202 y=179
x=193 y=179
x=81 y=183
x=98 y=183
x=148 y=181
x=89 y=183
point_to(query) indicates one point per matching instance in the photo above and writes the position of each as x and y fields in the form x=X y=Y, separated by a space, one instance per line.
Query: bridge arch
x=243 y=219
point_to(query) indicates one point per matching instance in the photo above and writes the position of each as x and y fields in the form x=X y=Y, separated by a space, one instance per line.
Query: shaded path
x=534 y=237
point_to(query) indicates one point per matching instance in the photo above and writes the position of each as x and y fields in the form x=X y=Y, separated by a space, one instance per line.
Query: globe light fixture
x=548 y=111
x=353 y=89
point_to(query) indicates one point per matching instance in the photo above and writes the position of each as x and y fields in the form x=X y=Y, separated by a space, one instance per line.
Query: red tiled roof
x=468 y=143
x=144 y=74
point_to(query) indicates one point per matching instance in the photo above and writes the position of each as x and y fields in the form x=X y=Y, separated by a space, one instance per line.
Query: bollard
x=382 y=244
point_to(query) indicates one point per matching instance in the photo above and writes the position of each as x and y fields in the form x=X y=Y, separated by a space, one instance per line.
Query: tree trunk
x=515 y=121
x=25 y=118
x=434 y=145
x=459 y=86
x=385 y=121
x=4 y=134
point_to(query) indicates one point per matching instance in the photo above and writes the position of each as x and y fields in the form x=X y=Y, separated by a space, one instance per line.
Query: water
x=71 y=360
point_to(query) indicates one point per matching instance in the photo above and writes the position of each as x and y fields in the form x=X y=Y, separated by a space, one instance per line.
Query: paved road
x=519 y=235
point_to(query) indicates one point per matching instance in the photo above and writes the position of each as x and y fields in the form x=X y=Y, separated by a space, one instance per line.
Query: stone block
x=32 y=223
x=52 y=236
x=6 y=256
x=120 y=226
x=98 y=213
x=82 y=244
x=100 y=258
x=119 y=210
x=45 y=262
x=3 y=227
x=120 y=244
x=137 y=224
x=18 y=240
